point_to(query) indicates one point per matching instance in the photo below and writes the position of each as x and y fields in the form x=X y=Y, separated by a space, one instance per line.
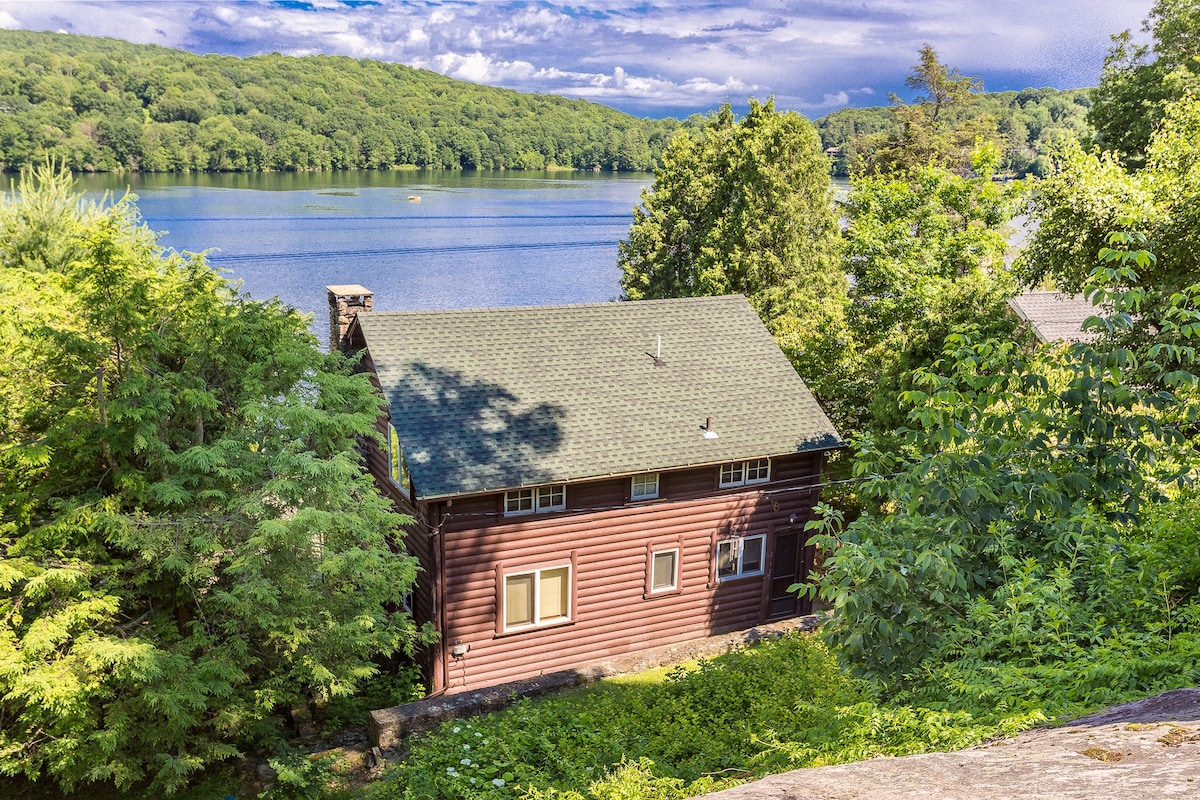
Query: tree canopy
x=1028 y=125
x=925 y=133
x=101 y=105
x=927 y=256
x=1092 y=195
x=189 y=544
x=1139 y=80
x=743 y=206
x=1014 y=549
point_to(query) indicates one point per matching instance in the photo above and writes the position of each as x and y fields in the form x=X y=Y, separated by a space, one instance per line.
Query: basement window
x=738 y=558
x=538 y=597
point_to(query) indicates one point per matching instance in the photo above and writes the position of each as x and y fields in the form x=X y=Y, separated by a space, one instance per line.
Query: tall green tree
x=743 y=206
x=928 y=131
x=927 y=255
x=1139 y=80
x=189 y=544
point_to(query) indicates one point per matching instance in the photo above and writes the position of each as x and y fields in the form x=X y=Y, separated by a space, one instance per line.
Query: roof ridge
x=558 y=306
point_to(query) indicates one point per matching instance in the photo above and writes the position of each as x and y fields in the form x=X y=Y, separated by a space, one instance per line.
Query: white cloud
x=477 y=67
x=678 y=58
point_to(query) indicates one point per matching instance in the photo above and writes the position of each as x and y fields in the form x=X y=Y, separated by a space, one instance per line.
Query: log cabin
x=589 y=480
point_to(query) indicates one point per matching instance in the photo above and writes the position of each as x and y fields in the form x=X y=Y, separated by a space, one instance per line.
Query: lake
x=471 y=239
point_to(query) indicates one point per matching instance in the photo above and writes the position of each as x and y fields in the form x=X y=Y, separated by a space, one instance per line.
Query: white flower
x=497 y=782
x=466 y=762
x=457 y=729
x=477 y=733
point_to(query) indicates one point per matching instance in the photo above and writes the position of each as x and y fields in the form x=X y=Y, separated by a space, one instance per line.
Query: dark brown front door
x=789 y=566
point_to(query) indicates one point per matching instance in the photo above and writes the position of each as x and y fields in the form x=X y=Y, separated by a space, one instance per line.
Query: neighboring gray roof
x=1054 y=316
x=490 y=399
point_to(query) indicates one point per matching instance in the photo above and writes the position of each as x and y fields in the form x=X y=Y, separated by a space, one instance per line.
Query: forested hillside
x=103 y=104
x=1024 y=125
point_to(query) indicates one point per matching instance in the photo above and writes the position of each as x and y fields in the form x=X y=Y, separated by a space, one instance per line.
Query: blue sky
x=647 y=58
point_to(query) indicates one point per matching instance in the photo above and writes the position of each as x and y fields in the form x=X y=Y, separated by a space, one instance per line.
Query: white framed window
x=397 y=464
x=664 y=570
x=737 y=558
x=744 y=473
x=537 y=597
x=644 y=486
x=530 y=501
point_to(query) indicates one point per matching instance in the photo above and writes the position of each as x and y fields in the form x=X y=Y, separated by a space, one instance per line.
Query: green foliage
x=1092 y=195
x=299 y=776
x=1026 y=126
x=743 y=207
x=1002 y=544
x=779 y=705
x=190 y=543
x=1136 y=88
x=104 y=105
x=926 y=133
x=926 y=253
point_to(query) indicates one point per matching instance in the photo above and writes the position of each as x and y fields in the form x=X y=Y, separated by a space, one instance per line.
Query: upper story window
x=531 y=501
x=397 y=465
x=645 y=486
x=743 y=473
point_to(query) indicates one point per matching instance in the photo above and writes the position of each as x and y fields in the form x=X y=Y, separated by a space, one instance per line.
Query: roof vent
x=658 y=361
x=709 y=433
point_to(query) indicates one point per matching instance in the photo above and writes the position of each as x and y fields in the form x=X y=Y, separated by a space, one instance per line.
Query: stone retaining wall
x=389 y=726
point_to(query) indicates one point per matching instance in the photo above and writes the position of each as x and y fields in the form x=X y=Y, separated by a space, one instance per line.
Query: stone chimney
x=346 y=302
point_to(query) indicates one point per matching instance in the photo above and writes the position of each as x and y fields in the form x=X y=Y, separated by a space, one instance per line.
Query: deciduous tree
x=927 y=255
x=744 y=207
x=1139 y=80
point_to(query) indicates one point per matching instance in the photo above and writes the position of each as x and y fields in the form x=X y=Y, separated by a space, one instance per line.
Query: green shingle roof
x=493 y=399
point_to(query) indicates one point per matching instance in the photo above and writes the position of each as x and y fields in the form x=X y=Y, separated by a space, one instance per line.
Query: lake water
x=471 y=240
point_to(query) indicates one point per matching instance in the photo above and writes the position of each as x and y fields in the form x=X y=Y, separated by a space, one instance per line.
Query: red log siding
x=608 y=542
x=417 y=538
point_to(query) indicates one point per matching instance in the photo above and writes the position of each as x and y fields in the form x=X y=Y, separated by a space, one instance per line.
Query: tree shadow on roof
x=462 y=434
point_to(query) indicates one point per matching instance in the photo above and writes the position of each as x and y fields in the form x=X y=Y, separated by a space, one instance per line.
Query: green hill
x=1026 y=125
x=104 y=104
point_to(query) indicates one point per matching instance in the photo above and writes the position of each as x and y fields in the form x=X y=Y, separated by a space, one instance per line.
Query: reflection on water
x=420 y=240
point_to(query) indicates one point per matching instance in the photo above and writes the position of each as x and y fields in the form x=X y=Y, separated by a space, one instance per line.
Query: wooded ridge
x=102 y=105
x=96 y=104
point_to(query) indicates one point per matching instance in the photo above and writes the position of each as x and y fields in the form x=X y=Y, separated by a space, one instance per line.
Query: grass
x=675 y=732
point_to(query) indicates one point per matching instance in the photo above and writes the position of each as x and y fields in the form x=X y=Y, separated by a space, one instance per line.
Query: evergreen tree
x=189 y=544
x=926 y=132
